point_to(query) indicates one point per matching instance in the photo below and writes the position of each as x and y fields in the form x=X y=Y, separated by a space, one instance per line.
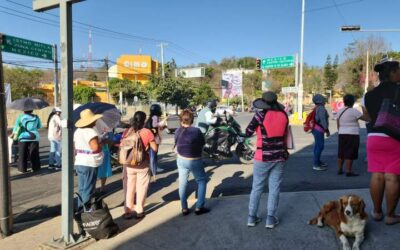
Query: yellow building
x=134 y=67
x=101 y=90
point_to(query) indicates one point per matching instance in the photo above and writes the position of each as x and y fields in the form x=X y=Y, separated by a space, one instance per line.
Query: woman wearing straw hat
x=88 y=154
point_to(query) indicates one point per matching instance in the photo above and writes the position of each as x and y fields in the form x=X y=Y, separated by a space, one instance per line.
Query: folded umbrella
x=27 y=104
x=111 y=115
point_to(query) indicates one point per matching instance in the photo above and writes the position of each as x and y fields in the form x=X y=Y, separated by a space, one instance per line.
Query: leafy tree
x=246 y=62
x=251 y=83
x=23 y=82
x=355 y=90
x=128 y=88
x=330 y=73
x=92 y=77
x=238 y=101
x=202 y=94
x=83 y=94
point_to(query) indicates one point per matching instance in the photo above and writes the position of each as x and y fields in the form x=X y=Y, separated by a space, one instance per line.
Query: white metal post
x=300 y=90
x=162 y=59
x=67 y=132
x=367 y=74
x=56 y=84
x=296 y=78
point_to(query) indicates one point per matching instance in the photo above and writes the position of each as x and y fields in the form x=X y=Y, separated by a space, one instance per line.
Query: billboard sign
x=234 y=86
x=191 y=72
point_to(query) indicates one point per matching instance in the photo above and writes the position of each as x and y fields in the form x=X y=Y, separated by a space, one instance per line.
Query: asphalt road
x=38 y=195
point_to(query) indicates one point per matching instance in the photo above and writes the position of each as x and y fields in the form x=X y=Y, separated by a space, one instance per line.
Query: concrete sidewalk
x=224 y=227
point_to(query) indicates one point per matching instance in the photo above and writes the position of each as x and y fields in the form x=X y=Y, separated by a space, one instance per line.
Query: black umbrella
x=27 y=104
x=111 y=115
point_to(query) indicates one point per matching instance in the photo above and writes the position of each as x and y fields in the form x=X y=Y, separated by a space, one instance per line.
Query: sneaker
x=272 y=221
x=323 y=164
x=319 y=168
x=57 y=167
x=252 y=221
x=51 y=167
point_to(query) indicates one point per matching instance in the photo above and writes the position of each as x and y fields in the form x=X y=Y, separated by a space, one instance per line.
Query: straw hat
x=87 y=118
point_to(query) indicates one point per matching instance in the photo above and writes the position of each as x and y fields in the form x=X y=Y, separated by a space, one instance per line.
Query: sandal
x=128 y=216
x=140 y=215
x=392 y=220
x=376 y=216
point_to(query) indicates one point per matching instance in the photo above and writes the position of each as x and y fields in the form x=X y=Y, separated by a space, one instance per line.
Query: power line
x=332 y=6
x=186 y=52
x=342 y=16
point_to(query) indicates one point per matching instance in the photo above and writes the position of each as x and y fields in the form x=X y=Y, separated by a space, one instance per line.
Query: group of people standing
x=383 y=146
x=271 y=126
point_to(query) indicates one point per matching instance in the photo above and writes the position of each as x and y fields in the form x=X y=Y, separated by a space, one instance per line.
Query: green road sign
x=277 y=62
x=25 y=47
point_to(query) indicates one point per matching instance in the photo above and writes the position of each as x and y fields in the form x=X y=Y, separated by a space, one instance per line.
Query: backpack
x=131 y=149
x=310 y=122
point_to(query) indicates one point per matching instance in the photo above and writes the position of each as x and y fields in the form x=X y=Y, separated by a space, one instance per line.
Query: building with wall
x=134 y=67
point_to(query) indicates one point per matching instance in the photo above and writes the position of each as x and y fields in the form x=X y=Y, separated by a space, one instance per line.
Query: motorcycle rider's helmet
x=155 y=109
x=212 y=105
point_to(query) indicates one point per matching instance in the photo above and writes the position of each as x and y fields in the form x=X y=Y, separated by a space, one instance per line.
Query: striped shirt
x=270 y=127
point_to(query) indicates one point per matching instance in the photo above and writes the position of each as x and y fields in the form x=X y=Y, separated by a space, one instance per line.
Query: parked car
x=173 y=123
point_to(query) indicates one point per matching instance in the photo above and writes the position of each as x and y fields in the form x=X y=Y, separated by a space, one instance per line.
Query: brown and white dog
x=347 y=217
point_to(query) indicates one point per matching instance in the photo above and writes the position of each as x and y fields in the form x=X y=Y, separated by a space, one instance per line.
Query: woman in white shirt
x=54 y=136
x=88 y=154
x=349 y=138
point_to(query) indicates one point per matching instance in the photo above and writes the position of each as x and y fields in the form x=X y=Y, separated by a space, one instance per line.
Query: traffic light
x=258 y=64
x=351 y=28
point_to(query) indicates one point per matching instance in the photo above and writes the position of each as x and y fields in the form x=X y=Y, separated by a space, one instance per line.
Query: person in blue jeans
x=271 y=125
x=88 y=155
x=321 y=128
x=54 y=136
x=189 y=142
x=156 y=126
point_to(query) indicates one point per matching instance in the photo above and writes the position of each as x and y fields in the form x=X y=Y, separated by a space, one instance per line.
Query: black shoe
x=340 y=172
x=202 y=210
x=185 y=212
x=351 y=174
x=51 y=166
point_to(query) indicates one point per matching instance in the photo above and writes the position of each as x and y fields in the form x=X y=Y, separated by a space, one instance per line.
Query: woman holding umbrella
x=26 y=132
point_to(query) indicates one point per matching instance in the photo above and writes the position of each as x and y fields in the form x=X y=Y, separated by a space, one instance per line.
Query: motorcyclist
x=206 y=116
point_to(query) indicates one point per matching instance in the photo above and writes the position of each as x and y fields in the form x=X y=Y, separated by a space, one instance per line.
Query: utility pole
x=367 y=74
x=56 y=84
x=67 y=178
x=296 y=78
x=5 y=187
x=300 y=90
x=162 y=58
x=107 y=86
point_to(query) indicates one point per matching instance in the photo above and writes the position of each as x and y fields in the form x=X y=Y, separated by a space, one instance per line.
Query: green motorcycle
x=224 y=136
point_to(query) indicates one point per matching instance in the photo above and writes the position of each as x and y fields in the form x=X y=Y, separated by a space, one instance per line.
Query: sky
x=200 y=31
